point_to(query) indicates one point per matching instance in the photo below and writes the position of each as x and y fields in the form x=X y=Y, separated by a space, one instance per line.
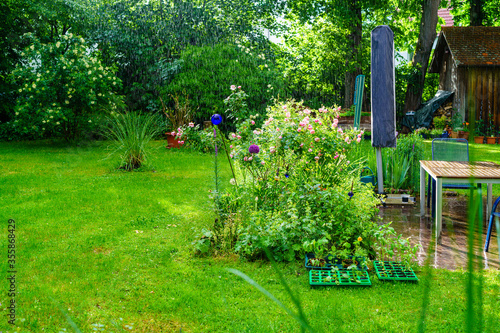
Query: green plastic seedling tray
x=394 y=271
x=341 y=277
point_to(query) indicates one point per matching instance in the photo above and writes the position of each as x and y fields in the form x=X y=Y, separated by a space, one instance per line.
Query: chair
x=494 y=216
x=447 y=149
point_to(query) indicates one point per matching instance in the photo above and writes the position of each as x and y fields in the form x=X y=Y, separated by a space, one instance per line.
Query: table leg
x=422 y=191
x=439 y=208
x=489 y=191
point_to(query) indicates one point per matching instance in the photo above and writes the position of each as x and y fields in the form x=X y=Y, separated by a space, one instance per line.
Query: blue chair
x=447 y=149
x=490 y=225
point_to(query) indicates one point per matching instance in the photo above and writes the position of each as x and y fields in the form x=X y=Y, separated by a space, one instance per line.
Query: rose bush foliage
x=295 y=190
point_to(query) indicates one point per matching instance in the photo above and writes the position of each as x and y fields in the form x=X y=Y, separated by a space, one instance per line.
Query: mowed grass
x=112 y=250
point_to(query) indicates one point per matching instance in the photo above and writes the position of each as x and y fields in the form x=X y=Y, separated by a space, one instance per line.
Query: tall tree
x=348 y=16
x=475 y=12
x=420 y=62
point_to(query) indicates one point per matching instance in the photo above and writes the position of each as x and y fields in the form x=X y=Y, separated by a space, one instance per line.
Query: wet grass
x=112 y=250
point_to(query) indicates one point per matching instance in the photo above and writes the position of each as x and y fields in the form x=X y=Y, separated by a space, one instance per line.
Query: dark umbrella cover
x=383 y=102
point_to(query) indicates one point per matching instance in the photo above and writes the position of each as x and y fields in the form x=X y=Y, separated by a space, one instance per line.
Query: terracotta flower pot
x=172 y=141
x=478 y=139
x=454 y=134
x=491 y=140
x=463 y=135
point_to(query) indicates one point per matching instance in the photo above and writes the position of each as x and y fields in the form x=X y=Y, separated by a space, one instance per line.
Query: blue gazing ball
x=216 y=119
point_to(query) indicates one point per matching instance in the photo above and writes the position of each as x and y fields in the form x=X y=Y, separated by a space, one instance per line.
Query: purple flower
x=253 y=149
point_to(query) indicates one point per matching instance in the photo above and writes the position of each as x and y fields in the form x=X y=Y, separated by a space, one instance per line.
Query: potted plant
x=464 y=132
x=479 y=132
x=490 y=131
x=424 y=132
x=436 y=133
x=456 y=124
x=177 y=117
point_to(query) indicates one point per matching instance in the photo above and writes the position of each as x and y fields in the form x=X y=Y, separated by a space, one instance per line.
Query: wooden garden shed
x=468 y=62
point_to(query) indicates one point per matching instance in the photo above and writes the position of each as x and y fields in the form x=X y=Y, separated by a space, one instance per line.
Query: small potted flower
x=490 y=131
x=464 y=132
x=479 y=132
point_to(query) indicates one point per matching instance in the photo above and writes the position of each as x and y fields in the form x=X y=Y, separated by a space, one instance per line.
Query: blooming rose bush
x=294 y=181
x=193 y=137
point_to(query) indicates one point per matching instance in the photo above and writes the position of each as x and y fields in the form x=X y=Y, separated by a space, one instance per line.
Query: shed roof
x=469 y=46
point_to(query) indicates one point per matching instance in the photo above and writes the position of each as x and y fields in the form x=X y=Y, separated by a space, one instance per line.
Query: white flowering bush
x=62 y=86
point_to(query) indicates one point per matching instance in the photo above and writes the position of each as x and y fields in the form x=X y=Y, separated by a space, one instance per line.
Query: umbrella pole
x=380 y=173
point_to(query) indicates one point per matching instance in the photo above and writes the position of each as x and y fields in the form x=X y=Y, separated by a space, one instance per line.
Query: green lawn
x=113 y=248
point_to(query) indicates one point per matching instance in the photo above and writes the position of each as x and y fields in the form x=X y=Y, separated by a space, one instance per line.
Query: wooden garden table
x=460 y=173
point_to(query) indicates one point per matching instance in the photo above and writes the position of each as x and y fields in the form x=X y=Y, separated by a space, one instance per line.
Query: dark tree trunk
x=353 y=63
x=476 y=12
x=423 y=50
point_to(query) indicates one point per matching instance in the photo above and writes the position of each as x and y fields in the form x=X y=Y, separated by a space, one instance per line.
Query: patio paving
x=452 y=252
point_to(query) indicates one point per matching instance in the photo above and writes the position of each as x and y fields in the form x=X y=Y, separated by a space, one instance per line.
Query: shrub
x=208 y=71
x=296 y=185
x=61 y=86
x=131 y=133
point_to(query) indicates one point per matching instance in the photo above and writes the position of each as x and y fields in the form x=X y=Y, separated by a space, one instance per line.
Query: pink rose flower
x=239 y=87
x=288 y=115
x=316 y=158
x=347 y=139
x=358 y=140
x=173 y=133
x=310 y=150
x=238 y=136
x=245 y=158
x=191 y=124
x=312 y=131
x=233 y=87
x=307 y=111
x=231 y=146
x=301 y=144
x=250 y=158
x=233 y=135
x=253 y=122
x=316 y=139
x=299 y=129
x=280 y=137
x=262 y=162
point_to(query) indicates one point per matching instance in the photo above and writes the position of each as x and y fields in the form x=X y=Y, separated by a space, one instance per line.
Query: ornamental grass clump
x=131 y=133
